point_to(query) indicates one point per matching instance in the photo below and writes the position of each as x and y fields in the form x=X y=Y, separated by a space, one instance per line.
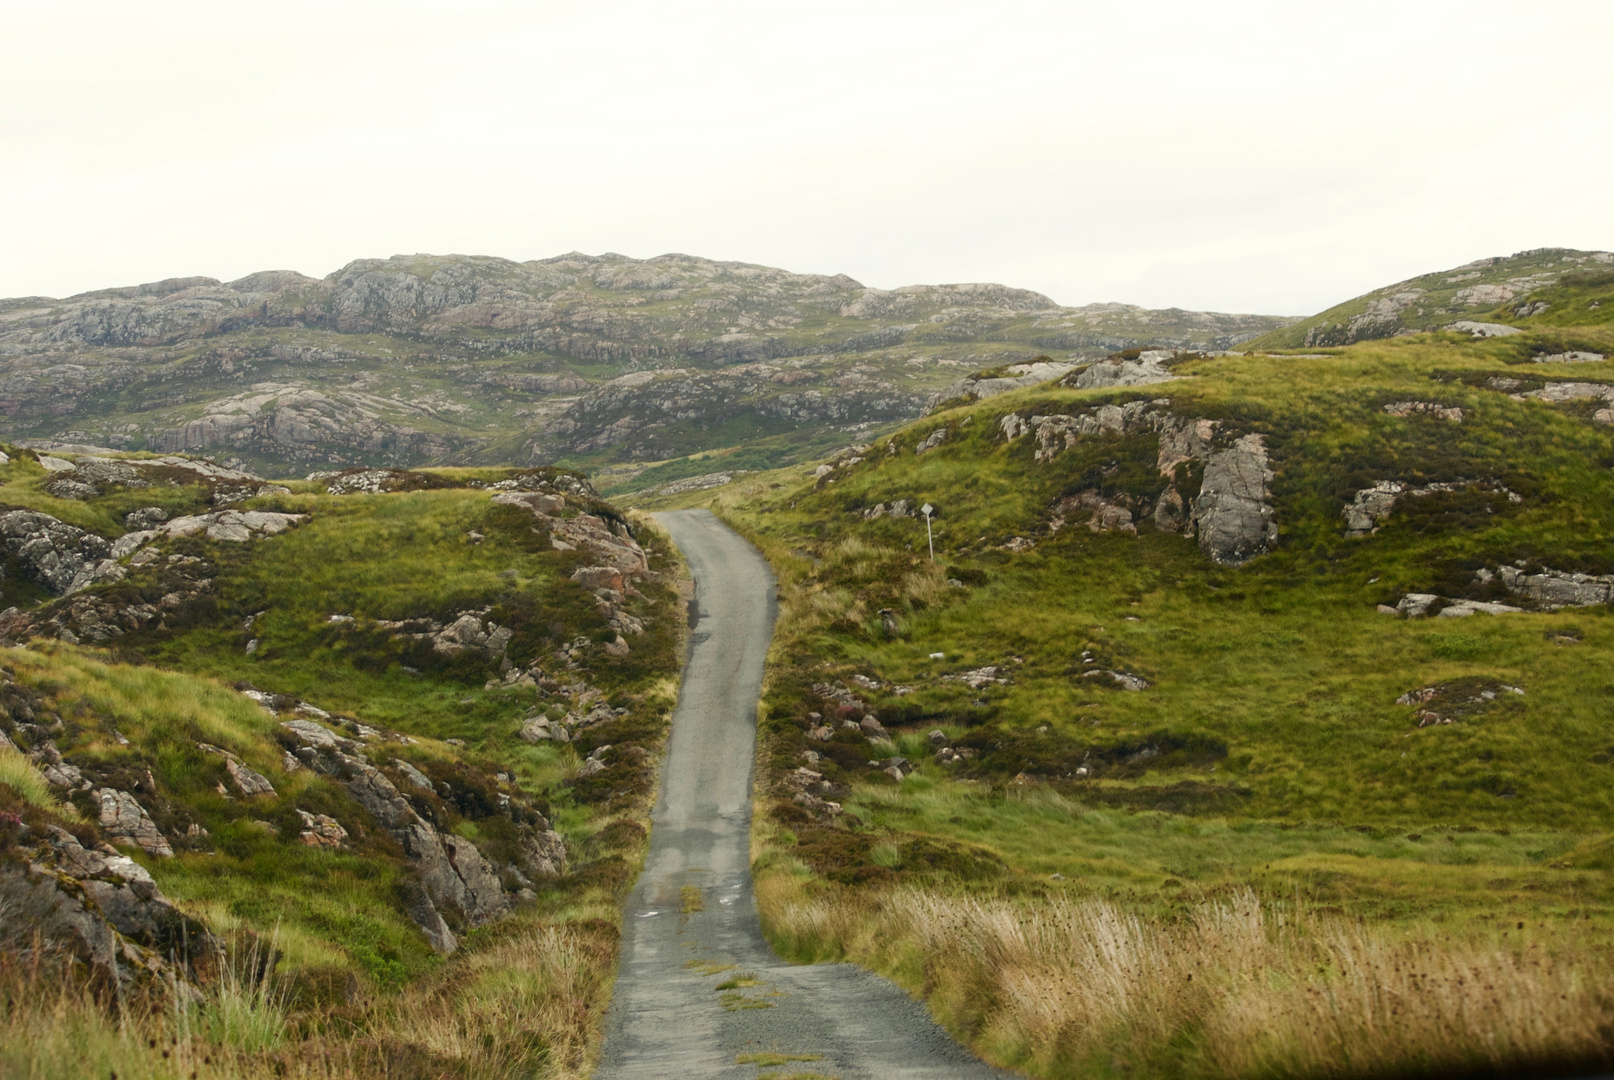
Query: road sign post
x=927 y=510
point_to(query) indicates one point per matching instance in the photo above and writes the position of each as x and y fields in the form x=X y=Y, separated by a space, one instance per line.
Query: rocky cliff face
x=420 y=359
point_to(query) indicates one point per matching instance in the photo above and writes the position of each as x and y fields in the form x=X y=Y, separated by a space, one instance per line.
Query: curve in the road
x=699 y=992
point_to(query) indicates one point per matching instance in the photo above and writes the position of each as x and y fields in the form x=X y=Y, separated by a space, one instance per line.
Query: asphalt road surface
x=692 y=924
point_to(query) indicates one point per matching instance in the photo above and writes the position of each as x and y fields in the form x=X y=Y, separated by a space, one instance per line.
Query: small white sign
x=926 y=509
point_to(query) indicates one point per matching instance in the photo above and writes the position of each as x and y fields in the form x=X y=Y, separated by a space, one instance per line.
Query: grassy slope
x=1294 y=773
x=1438 y=305
x=357 y=977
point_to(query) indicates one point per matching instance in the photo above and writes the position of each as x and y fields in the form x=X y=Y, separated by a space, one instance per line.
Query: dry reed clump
x=1239 y=988
x=537 y=994
x=524 y=1006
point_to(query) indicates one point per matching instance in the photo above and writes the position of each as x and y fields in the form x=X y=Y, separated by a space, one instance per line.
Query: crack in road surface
x=700 y=993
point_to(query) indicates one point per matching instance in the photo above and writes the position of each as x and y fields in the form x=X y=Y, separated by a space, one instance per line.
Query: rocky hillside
x=320 y=736
x=1444 y=299
x=1209 y=640
x=451 y=359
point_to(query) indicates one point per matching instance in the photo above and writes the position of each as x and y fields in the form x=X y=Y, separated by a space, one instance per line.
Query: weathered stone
x=413 y=776
x=544 y=853
x=1414 y=605
x=425 y=915
x=483 y=898
x=1182 y=441
x=1485 y=330
x=1458 y=609
x=315 y=736
x=1126 y=680
x=1557 y=588
x=1170 y=513
x=1574 y=357
x=1233 y=519
x=1371 y=506
x=1141 y=372
x=127 y=822
x=59 y=556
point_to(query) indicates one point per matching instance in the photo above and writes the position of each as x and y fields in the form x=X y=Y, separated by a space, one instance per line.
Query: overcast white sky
x=1239 y=156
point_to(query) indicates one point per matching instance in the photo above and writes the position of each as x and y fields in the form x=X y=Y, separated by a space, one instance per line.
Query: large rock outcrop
x=103 y=912
x=1232 y=516
x=59 y=556
x=455 y=877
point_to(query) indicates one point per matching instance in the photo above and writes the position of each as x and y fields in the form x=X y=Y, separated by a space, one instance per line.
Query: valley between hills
x=1250 y=717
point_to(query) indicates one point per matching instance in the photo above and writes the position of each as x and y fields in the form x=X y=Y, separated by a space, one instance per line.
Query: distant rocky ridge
x=1441 y=300
x=461 y=359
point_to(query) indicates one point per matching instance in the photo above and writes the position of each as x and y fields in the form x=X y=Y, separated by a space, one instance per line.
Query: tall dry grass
x=1238 y=988
x=527 y=1005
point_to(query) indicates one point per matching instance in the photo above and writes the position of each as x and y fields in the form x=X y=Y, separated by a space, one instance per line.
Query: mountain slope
x=354 y=770
x=459 y=359
x=1279 y=682
x=1432 y=301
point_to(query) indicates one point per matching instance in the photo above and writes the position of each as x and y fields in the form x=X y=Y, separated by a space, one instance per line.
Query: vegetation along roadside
x=339 y=777
x=1252 y=719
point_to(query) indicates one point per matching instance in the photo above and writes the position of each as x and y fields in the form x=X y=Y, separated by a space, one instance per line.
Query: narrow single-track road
x=700 y=994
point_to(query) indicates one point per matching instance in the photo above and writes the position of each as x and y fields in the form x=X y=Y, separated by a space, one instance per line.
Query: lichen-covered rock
x=1170 y=512
x=1232 y=516
x=1557 y=588
x=57 y=555
x=236 y=526
x=105 y=911
x=127 y=822
x=321 y=831
x=483 y=898
x=545 y=853
x=247 y=780
x=1146 y=370
x=453 y=874
x=1370 y=506
x=1428 y=408
x=1099 y=512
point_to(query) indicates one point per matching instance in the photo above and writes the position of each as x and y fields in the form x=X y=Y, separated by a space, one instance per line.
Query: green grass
x=1268 y=754
x=19 y=774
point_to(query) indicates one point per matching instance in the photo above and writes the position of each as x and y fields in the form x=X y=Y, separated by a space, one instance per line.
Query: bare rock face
x=1059 y=432
x=1182 y=441
x=1232 y=514
x=453 y=874
x=1098 y=512
x=1554 y=589
x=321 y=831
x=126 y=822
x=1234 y=520
x=483 y=899
x=1370 y=506
x=58 y=555
x=106 y=911
x=1144 y=371
x=976 y=388
x=247 y=780
x=1170 y=514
